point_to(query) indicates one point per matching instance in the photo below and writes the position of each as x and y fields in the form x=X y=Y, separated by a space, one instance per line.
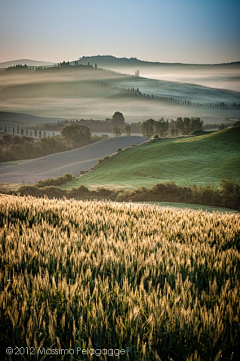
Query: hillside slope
x=74 y=161
x=28 y=62
x=200 y=159
x=85 y=92
x=224 y=76
x=110 y=60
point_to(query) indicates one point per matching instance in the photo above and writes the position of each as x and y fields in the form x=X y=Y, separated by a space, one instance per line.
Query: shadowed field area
x=72 y=162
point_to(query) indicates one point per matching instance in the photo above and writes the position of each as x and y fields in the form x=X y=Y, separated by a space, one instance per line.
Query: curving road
x=73 y=161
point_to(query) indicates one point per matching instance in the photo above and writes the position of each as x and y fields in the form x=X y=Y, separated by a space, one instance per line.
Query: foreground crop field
x=158 y=284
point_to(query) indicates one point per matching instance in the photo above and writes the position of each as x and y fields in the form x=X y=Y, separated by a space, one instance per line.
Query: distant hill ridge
x=112 y=60
x=104 y=60
x=28 y=62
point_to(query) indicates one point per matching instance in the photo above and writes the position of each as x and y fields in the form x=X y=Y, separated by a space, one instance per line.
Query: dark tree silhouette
x=118 y=120
x=147 y=128
x=128 y=129
x=117 y=131
x=77 y=135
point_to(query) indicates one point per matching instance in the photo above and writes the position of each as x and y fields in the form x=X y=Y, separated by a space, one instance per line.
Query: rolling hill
x=113 y=61
x=26 y=119
x=58 y=164
x=87 y=92
x=28 y=62
x=195 y=160
x=224 y=76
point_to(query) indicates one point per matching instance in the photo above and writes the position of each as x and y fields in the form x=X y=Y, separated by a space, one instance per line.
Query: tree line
x=171 y=100
x=74 y=135
x=148 y=128
x=226 y=195
x=15 y=147
x=163 y=127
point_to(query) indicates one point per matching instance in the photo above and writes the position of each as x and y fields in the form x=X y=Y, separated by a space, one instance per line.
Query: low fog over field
x=89 y=92
x=223 y=76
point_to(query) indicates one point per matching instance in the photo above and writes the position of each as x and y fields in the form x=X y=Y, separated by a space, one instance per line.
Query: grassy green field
x=202 y=160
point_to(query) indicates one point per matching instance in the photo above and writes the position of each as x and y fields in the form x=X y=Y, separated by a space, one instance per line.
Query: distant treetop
x=118 y=119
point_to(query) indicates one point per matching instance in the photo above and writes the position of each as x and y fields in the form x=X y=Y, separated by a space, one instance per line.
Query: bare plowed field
x=73 y=162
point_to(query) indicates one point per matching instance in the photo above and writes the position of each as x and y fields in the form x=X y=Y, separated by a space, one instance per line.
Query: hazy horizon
x=192 y=32
x=117 y=57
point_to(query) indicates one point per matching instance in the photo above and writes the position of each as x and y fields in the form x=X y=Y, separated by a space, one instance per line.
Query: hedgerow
x=228 y=195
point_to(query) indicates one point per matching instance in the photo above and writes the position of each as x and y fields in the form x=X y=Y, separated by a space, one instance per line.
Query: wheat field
x=158 y=283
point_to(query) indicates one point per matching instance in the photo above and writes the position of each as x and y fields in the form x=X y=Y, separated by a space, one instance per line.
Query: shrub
x=30 y=190
x=55 y=181
x=230 y=193
x=53 y=192
x=103 y=192
x=227 y=196
x=81 y=192
x=102 y=160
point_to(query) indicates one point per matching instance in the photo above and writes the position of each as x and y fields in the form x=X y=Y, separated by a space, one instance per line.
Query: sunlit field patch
x=161 y=284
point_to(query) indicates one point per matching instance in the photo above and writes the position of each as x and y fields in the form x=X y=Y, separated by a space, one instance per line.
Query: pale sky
x=187 y=31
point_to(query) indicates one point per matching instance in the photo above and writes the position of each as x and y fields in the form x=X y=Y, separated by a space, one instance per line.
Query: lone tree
x=160 y=127
x=118 y=120
x=180 y=125
x=76 y=135
x=128 y=129
x=147 y=128
x=222 y=126
x=188 y=125
x=117 y=131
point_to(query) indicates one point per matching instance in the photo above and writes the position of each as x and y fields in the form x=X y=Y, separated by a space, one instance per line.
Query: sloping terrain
x=178 y=90
x=205 y=159
x=28 y=62
x=85 y=92
x=26 y=119
x=223 y=76
x=9 y=120
x=72 y=162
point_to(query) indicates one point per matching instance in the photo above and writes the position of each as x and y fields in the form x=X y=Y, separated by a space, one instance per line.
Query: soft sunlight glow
x=173 y=31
